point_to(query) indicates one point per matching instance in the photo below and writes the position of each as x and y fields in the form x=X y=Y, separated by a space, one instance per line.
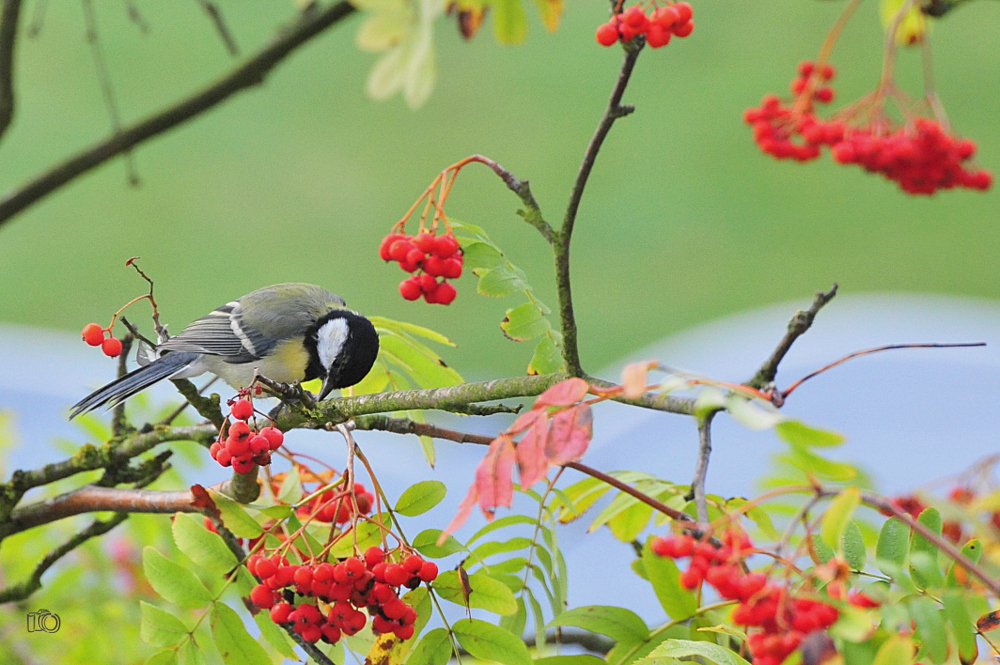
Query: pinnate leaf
x=488 y=642
x=232 y=639
x=172 y=581
x=205 y=548
x=160 y=628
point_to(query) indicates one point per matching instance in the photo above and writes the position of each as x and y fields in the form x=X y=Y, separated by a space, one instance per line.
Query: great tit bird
x=287 y=332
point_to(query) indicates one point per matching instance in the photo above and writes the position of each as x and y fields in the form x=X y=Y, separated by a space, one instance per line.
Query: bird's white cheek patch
x=331 y=340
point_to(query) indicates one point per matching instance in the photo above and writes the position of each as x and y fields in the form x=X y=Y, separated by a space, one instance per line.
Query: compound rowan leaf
x=569 y=434
x=564 y=393
x=160 y=628
x=173 y=581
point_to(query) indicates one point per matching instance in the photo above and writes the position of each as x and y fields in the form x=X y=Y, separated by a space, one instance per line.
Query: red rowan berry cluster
x=433 y=260
x=243 y=445
x=95 y=335
x=294 y=593
x=783 y=617
x=921 y=156
x=659 y=26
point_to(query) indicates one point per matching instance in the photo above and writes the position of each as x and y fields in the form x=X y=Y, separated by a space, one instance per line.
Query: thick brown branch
x=34 y=582
x=9 y=18
x=247 y=75
x=92 y=499
x=799 y=324
x=615 y=110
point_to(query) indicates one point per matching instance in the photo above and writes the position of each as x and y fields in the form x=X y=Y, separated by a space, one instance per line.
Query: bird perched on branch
x=287 y=332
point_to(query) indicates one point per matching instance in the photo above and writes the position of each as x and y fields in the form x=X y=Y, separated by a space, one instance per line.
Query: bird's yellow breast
x=287 y=363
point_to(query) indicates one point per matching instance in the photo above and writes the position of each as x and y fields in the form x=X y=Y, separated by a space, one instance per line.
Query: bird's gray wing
x=276 y=313
x=216 y=334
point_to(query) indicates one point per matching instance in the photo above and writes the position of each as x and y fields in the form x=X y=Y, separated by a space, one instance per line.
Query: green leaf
x=751 y=414
x=492 y=547
x=419 y=498
x=897 y=650
x=524 y=322
x=892 y=546
x=823 y=551
x=500 y=523
x=235 y=517
x=274 y=635
x=160 y=628
x=168 y=657
x=972 y=550
x=957 y=614
x=515 y=623
x=291 y=487
x=172 y=581
x=796 y=432
x=510 y=23
x=422 y=365
x=232 y=639
x=547 y=357
x=924 y=553
x=411 y=329
x=502 y=280
x=618 y=623
x=488 y=642
x=426 y=543
x=663 y=574
x=205 y=548
x=434 y=648
x=811 y=463
x=838 y=515
x=367 y=534
x=481 y=255
x=627 y=525
x=853 y=544
x=685 y=648
x=191 y=654
x=930 y=628
x=487 y=593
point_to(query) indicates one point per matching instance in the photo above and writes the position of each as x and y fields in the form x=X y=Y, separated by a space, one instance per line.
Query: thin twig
x=701 y=469
x=10 y=14
x=405 y=426
x=799 y=324
x=135 y=16
x=628 y=489
x=888 y=347
x=34 y=582
x=249 y=74
x=215 y=14
x=615 y=110
x=532 y=214
x=104 y=80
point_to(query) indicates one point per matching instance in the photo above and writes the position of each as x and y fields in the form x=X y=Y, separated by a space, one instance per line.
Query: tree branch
x=209 y=408
x=34 y=582
x=9 y=18
x=93 y=499
x=701 y=469
x=615 y=110
x=405 y=426
x=247 y=75
x=532 y=214
x=799 y=324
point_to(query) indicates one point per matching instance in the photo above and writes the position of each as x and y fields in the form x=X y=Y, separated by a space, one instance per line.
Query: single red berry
x=827 y=72
x=331 y=633
x=112 y=347
x=214 y=449
x=410 y=288
x=223 y=457
x=825 y=94
x=280 y=612
x=453 y=267
x=243 y=464
x=427 y=282
x=396 y=575
x=387 y=241
x=413 y=563
x=404 y=632
x=242 y=409
x=430 y=297
x=635 y=18
x=445 y=294
x=445 y=246
x=262 y=596
x=259 y=444
x=364 y=502
x=806 y=68
x=394 y=609
x=311 y=634
x=355 y=567
x=657 y=36
x=93 y=334
x=434 y=265
x=239 y=430
x=428 y=571
x=607 y=34
x=374 y=555
x=684 y=12
x=684 y=29
x=425 y=242
x=400 y=248
x=237 y=445
x=414 y=257
x=666 y=17
x=274 y=436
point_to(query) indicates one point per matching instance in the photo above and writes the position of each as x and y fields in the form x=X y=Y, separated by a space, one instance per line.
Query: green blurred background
x=684 y=221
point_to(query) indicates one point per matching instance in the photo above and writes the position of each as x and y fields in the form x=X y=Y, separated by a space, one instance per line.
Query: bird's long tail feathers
x=135 y=381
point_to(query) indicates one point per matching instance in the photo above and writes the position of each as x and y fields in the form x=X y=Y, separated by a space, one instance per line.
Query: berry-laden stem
x=825 y=50
x=562 y=238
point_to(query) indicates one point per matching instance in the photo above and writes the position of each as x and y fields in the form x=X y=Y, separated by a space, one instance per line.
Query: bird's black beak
x=328 y=384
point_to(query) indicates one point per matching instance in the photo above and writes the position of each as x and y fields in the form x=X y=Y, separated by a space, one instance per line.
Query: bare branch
x=247 y=75
x=799 y=324
x=10 y=14
x=701 y=469
x=404 y=426
x=615 y=110
x=34 y=582
x=92 y=499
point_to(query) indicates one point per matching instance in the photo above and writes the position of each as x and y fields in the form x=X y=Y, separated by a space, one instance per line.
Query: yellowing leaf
x=912 y=28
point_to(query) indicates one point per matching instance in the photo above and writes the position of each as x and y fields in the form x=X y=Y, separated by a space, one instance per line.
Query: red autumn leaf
x=564 y=393
x=494 y=476
x=988 y=622
x=203 y=500
x=464 y=510
x=526 y=420
x=634 y=379
x=569 y=434
x=532 y=463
